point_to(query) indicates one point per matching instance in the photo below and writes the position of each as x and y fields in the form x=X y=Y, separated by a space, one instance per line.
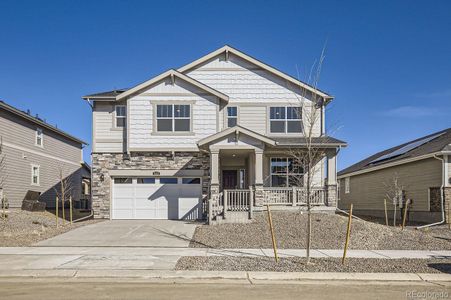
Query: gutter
x=441 y=196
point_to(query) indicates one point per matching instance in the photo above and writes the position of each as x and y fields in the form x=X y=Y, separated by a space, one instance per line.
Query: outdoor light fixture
x=102 y=177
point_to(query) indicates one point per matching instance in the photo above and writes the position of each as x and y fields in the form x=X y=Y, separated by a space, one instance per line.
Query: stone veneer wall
x=103 y=162
x=447 y=194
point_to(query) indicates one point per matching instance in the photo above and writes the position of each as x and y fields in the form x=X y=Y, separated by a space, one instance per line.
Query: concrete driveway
x=127 y=233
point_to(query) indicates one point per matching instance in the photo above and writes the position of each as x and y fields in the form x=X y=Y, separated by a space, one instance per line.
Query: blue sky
x=388 y=63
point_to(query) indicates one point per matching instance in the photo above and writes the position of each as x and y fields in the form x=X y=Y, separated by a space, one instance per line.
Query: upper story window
x=173 y=118
x=286 y=172
x=347 y=185
x=121 y=116
x=35 y=175
x=39 y=138
x=285 y=119
x=232 y=116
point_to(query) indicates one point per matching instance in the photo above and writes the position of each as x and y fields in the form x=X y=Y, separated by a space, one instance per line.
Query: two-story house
x=213 y=138
x=33 y=155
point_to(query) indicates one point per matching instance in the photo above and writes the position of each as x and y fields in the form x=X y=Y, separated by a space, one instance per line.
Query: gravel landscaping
x=296 y=264
x=328 y=232
x=24 y=228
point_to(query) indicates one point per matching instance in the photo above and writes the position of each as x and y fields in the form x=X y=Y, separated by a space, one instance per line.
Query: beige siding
x=253 y=118
x=143 y=133
x=20 y=152
x=22 y=133
x=107 y=138
x=368 y=190
x=253 y=90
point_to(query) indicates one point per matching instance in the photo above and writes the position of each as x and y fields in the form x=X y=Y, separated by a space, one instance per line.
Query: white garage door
x=157 y=198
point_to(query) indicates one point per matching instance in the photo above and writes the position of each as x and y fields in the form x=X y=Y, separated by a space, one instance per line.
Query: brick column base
x=331 y=195
x=447 y=200
x=258 y=193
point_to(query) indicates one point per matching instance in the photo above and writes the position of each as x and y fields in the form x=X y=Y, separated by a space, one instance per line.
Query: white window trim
x=37 y=132
x=286 y=120
x=231 y=117
x=287 y=174
x=38 y=174
x=347 y=185
x=173 y=118
x=121 y=117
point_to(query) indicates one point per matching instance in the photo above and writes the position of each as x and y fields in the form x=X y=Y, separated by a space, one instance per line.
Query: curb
x=249 y=277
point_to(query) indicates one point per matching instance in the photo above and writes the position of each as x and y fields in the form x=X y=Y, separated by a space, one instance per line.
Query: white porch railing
x=293 y=196
x=237 y=200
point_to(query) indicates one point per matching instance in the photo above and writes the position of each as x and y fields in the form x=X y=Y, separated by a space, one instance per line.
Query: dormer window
x=39 y=138
x=121 y=116
x=285 y=119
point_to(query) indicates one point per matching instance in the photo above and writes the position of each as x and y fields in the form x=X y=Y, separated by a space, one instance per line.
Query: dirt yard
x=328 y=232
x=296 y=264
x=24 y=228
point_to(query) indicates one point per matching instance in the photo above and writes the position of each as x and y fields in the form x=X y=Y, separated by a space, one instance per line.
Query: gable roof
x=320 y=141
x=109 y=95
x=39 y=122
x=229 y=49
x=237 y=128
x=172 y=73
x=433 y=143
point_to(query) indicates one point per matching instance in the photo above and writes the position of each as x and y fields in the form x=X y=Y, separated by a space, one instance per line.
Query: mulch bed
x=296 y=264
x=328 y=232
x=24 y=228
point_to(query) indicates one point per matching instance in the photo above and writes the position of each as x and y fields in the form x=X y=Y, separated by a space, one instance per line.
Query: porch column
x=214 y=181
x=258 y=176
x=331 y=185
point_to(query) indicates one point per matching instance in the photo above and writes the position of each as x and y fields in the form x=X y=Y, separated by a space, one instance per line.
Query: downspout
x=441 y=196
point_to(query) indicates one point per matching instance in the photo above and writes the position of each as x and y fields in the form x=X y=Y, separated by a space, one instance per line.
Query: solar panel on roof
x=406 y=148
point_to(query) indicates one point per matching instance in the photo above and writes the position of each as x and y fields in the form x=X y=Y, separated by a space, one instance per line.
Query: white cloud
x=413 y=112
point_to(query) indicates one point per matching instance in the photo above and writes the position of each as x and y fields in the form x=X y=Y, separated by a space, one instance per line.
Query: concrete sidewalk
x=171 y=251
x=150 y=258
x=219 y=276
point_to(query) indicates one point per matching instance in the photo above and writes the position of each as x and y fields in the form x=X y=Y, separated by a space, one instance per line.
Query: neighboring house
x=210 y=138
x=422 y=168
x=34 y=152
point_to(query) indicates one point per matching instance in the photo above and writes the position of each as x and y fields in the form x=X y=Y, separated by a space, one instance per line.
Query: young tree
x=3 y=199
x=64 y=189
x=309 y=158
x=395 y=192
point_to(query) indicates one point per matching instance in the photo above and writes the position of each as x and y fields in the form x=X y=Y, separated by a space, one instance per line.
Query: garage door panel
x=152 y=200
x=189 y=208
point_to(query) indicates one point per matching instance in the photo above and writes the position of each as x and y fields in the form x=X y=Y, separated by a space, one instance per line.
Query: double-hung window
x=34 y=175
x=347 y=185
x=173 y=118
x=232 y=116
x=39 y=138
x=286 y=172
x=285 y=119
x=121 y=116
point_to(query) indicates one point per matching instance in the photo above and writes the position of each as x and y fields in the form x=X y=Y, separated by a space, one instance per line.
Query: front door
x=229 y=179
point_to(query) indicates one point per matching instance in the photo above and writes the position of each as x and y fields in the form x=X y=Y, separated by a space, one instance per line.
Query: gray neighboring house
x=423 y=167
x=208 y=139
x=33 y=152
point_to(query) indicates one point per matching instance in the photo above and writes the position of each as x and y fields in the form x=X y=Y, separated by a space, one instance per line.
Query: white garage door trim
x=156 y=198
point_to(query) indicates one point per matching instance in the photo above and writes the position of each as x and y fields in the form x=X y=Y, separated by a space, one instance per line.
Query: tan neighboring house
x=423 y=169
x=33 y=152
x=208 y=139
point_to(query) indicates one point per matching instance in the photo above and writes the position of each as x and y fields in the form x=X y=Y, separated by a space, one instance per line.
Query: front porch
x=247 y=173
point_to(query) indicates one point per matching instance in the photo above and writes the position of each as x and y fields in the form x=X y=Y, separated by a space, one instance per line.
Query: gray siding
x=20 y=152
x=368 y=190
